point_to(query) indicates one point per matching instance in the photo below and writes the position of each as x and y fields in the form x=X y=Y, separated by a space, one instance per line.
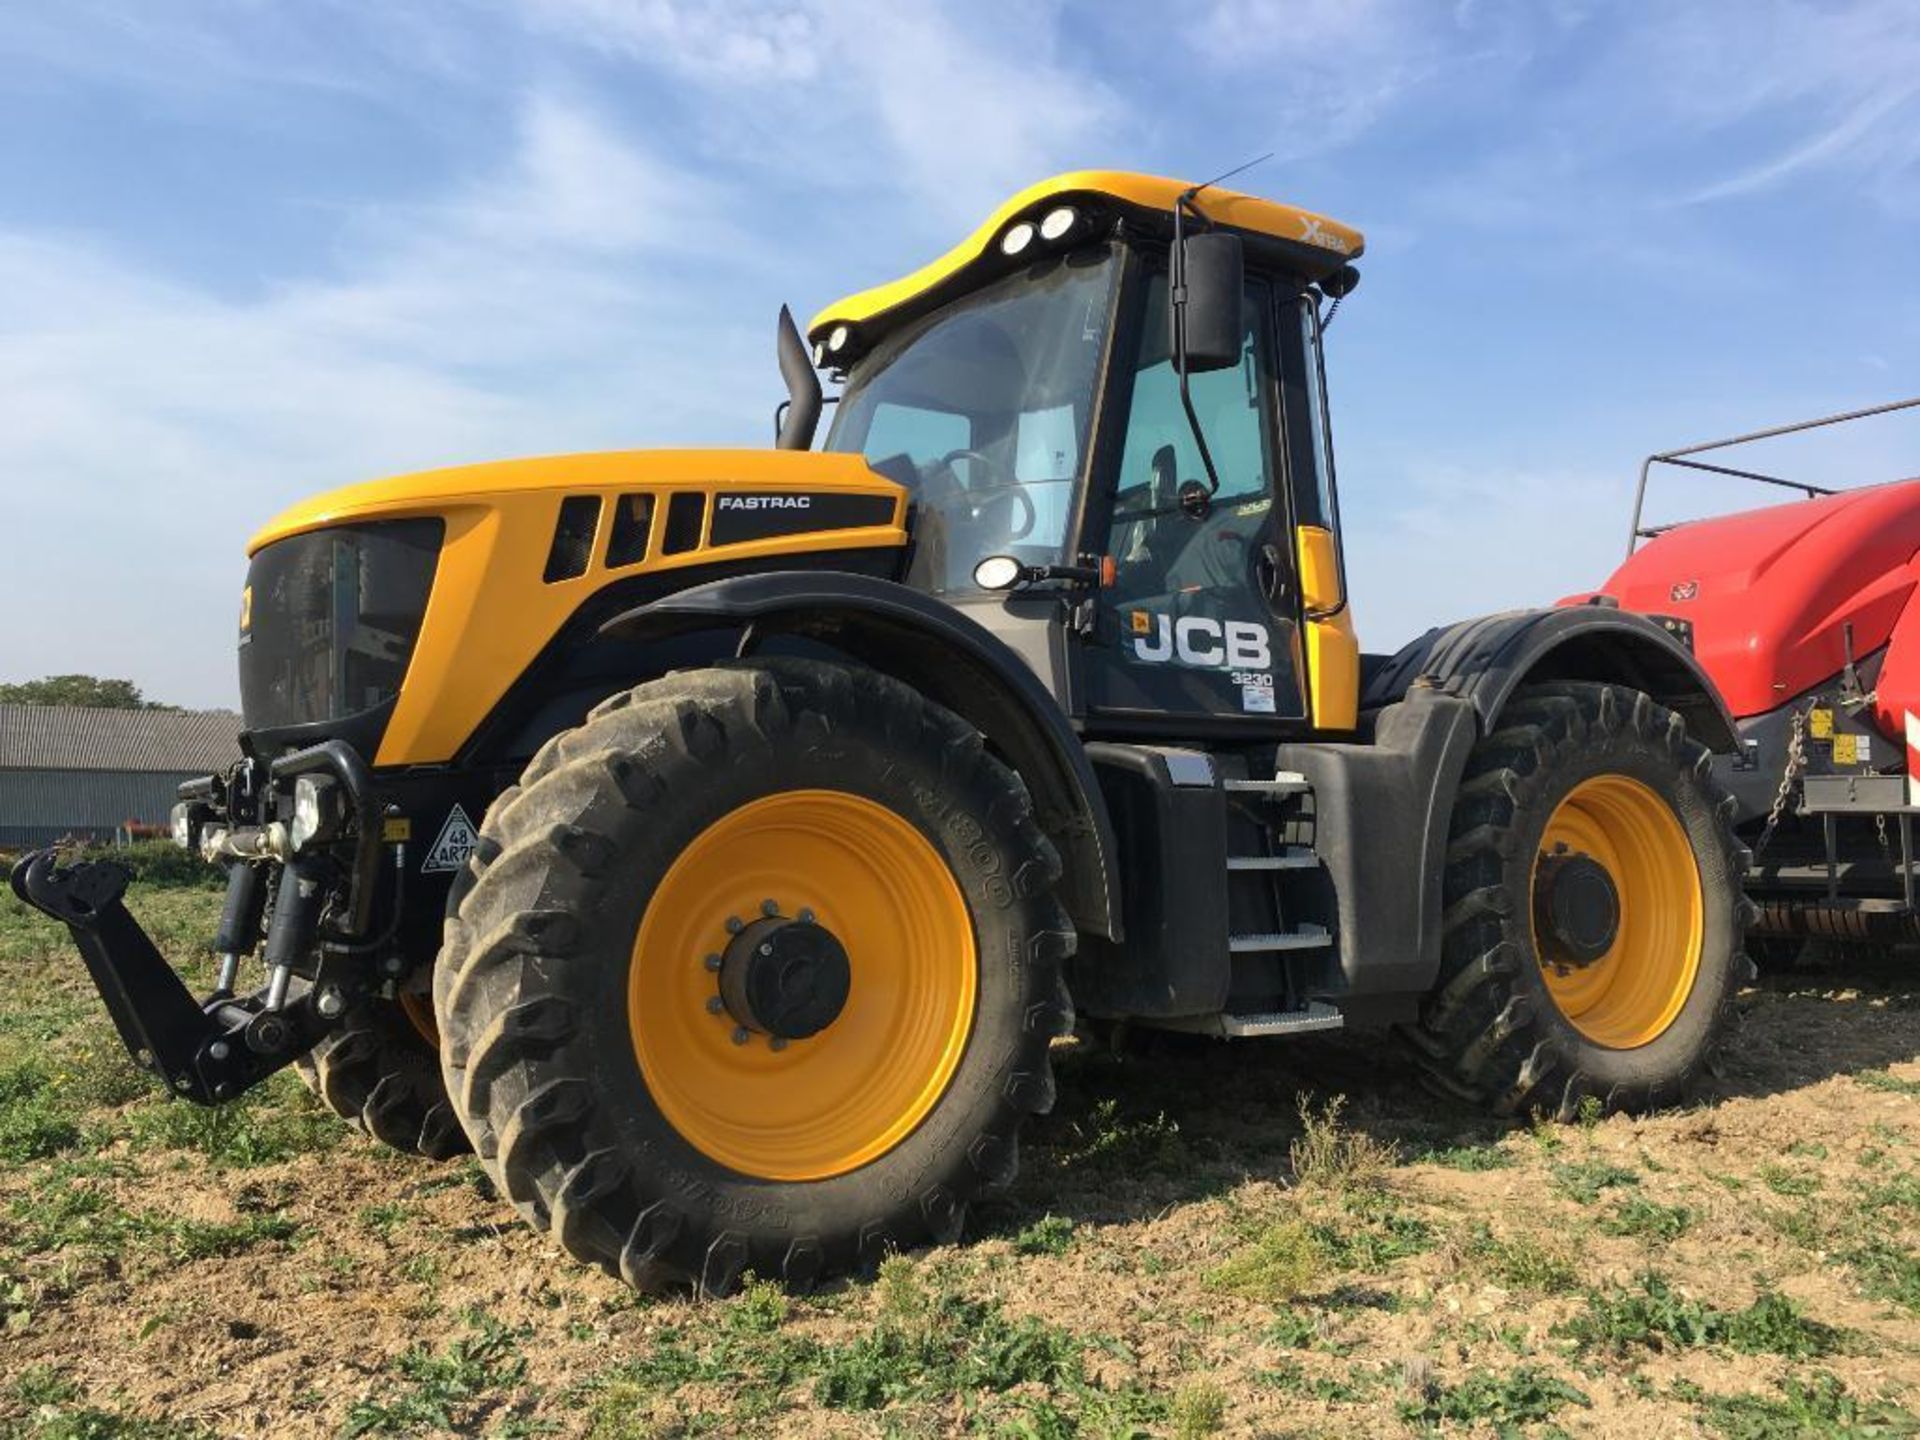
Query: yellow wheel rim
x=1634 y=991
x=418 y=1009
x=837 y=1100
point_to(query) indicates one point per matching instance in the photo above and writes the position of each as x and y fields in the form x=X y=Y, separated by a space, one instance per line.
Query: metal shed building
x=68 y=770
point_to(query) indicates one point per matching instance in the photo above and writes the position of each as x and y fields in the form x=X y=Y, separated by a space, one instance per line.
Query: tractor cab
x=1072 y=423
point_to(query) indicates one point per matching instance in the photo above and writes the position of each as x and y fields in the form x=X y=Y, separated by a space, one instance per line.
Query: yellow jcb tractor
x=719 y=840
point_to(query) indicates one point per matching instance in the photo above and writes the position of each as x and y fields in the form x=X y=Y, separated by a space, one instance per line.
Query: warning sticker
x=1846 y=750
x=454 y=844
x=1820 y=724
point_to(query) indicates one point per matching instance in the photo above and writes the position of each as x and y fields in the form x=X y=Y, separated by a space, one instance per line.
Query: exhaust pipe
x=801 y=413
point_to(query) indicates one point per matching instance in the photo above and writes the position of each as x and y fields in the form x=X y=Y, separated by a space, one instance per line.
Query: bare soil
x=1198 y=1243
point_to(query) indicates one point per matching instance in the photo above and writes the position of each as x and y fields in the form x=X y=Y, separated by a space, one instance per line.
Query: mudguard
x=1485 y=660
x=951 y=660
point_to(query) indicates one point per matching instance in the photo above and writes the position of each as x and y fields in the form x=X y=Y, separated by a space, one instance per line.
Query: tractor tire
x=718 y=835
x=381 y=1074
x=1551 y=995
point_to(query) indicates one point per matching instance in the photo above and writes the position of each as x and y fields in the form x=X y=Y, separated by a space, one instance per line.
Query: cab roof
x=1311 y=245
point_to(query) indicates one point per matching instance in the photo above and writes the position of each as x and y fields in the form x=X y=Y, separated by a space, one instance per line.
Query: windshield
x=981 y=409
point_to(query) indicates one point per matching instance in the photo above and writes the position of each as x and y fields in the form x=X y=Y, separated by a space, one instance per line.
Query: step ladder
x=1284 y=786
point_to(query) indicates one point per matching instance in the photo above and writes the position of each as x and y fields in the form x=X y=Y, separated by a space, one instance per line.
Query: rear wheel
x=758 y=969
x=380 y=1072
x=1594 y=913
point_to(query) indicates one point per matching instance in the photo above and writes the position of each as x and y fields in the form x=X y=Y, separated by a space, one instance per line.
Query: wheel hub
x=1576 y=909
x=785 y=978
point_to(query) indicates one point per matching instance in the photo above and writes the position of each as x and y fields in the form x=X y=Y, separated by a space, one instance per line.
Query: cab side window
x=1157 y=543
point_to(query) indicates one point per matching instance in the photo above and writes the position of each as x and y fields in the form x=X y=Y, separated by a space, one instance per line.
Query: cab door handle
x=1270 y=575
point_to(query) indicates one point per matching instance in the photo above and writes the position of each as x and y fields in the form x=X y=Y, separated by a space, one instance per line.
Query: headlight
x=1017 y=238
x=837 y=341
x=183 y=825
x=316 y=811
x=1058 y=222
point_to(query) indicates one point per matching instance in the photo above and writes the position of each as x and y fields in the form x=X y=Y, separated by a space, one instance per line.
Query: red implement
x=1769 y=594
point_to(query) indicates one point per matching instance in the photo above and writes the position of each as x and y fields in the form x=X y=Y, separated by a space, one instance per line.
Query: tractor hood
x=1769 y=592
x=540 y=482
x=511 y=554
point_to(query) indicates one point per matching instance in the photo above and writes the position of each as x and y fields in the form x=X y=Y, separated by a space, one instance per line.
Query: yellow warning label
x=1820 y=724
x=1846 y=749
x=396 y=828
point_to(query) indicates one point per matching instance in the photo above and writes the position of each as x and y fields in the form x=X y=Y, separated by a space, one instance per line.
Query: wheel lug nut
x=735 y=925
x=712 y=962
x=767 y=907
x=741 y=1034
x=766 y=949
x=806 y=917
x=779 y=1042
x=715 y=1005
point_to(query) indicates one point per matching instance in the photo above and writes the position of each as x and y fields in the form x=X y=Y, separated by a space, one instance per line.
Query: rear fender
x=952 y=661
x=1484 y=661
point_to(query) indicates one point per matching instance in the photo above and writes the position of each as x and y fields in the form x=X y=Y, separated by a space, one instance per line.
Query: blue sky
x=249 y=250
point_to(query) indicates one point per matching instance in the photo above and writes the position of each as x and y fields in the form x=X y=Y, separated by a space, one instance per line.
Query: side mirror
x=1207 y=295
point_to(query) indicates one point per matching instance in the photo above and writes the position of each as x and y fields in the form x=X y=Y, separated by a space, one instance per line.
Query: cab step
x=1286 y=782
x=1317 y=1015
x=1292 y=857
x=1306 y=937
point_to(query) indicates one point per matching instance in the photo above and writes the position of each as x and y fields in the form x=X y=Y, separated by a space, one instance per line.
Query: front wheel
x=758 y=970
x=1594 y=915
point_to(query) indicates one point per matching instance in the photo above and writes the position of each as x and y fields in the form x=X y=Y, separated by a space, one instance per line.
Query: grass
x=1282 y=1261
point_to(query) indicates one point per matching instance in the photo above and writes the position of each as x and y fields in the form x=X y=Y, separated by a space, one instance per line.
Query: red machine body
x=1769 y=594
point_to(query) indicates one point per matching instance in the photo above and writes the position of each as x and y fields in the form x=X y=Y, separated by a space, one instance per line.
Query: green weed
x=1646 y=1219
x=450 y=1389
x=1522 y=1263
x=1655 y=1316
x=1887 y=1081
x=1049 y=1235
x=1526 y=1396
x=1582 y=1180
x=1471 y=1158
x=1820 y=1406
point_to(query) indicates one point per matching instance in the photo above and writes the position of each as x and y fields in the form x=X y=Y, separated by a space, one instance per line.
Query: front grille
x=330 y=621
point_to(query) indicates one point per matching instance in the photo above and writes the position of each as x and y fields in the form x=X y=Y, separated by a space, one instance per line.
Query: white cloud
x=966 y=103
x=742 y=43
x=153 y=425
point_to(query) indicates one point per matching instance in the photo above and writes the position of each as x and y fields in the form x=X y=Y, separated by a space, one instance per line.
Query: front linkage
x=210 y=1050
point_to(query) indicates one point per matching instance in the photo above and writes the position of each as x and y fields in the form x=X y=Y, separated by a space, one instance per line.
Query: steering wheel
x=1007 y=485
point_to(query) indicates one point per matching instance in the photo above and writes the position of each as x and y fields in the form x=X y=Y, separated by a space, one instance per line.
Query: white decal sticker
x=1200 y=643
x=1256 y=693
x=454 y=845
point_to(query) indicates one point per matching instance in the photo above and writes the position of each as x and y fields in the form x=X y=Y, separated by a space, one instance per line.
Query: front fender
x=1487 y=659
x=951 y=660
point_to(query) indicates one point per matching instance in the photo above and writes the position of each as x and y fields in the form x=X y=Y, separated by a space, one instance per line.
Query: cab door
x=1200 y=621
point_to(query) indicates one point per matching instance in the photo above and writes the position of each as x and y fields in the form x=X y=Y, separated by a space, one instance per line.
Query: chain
x=1796 y=762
